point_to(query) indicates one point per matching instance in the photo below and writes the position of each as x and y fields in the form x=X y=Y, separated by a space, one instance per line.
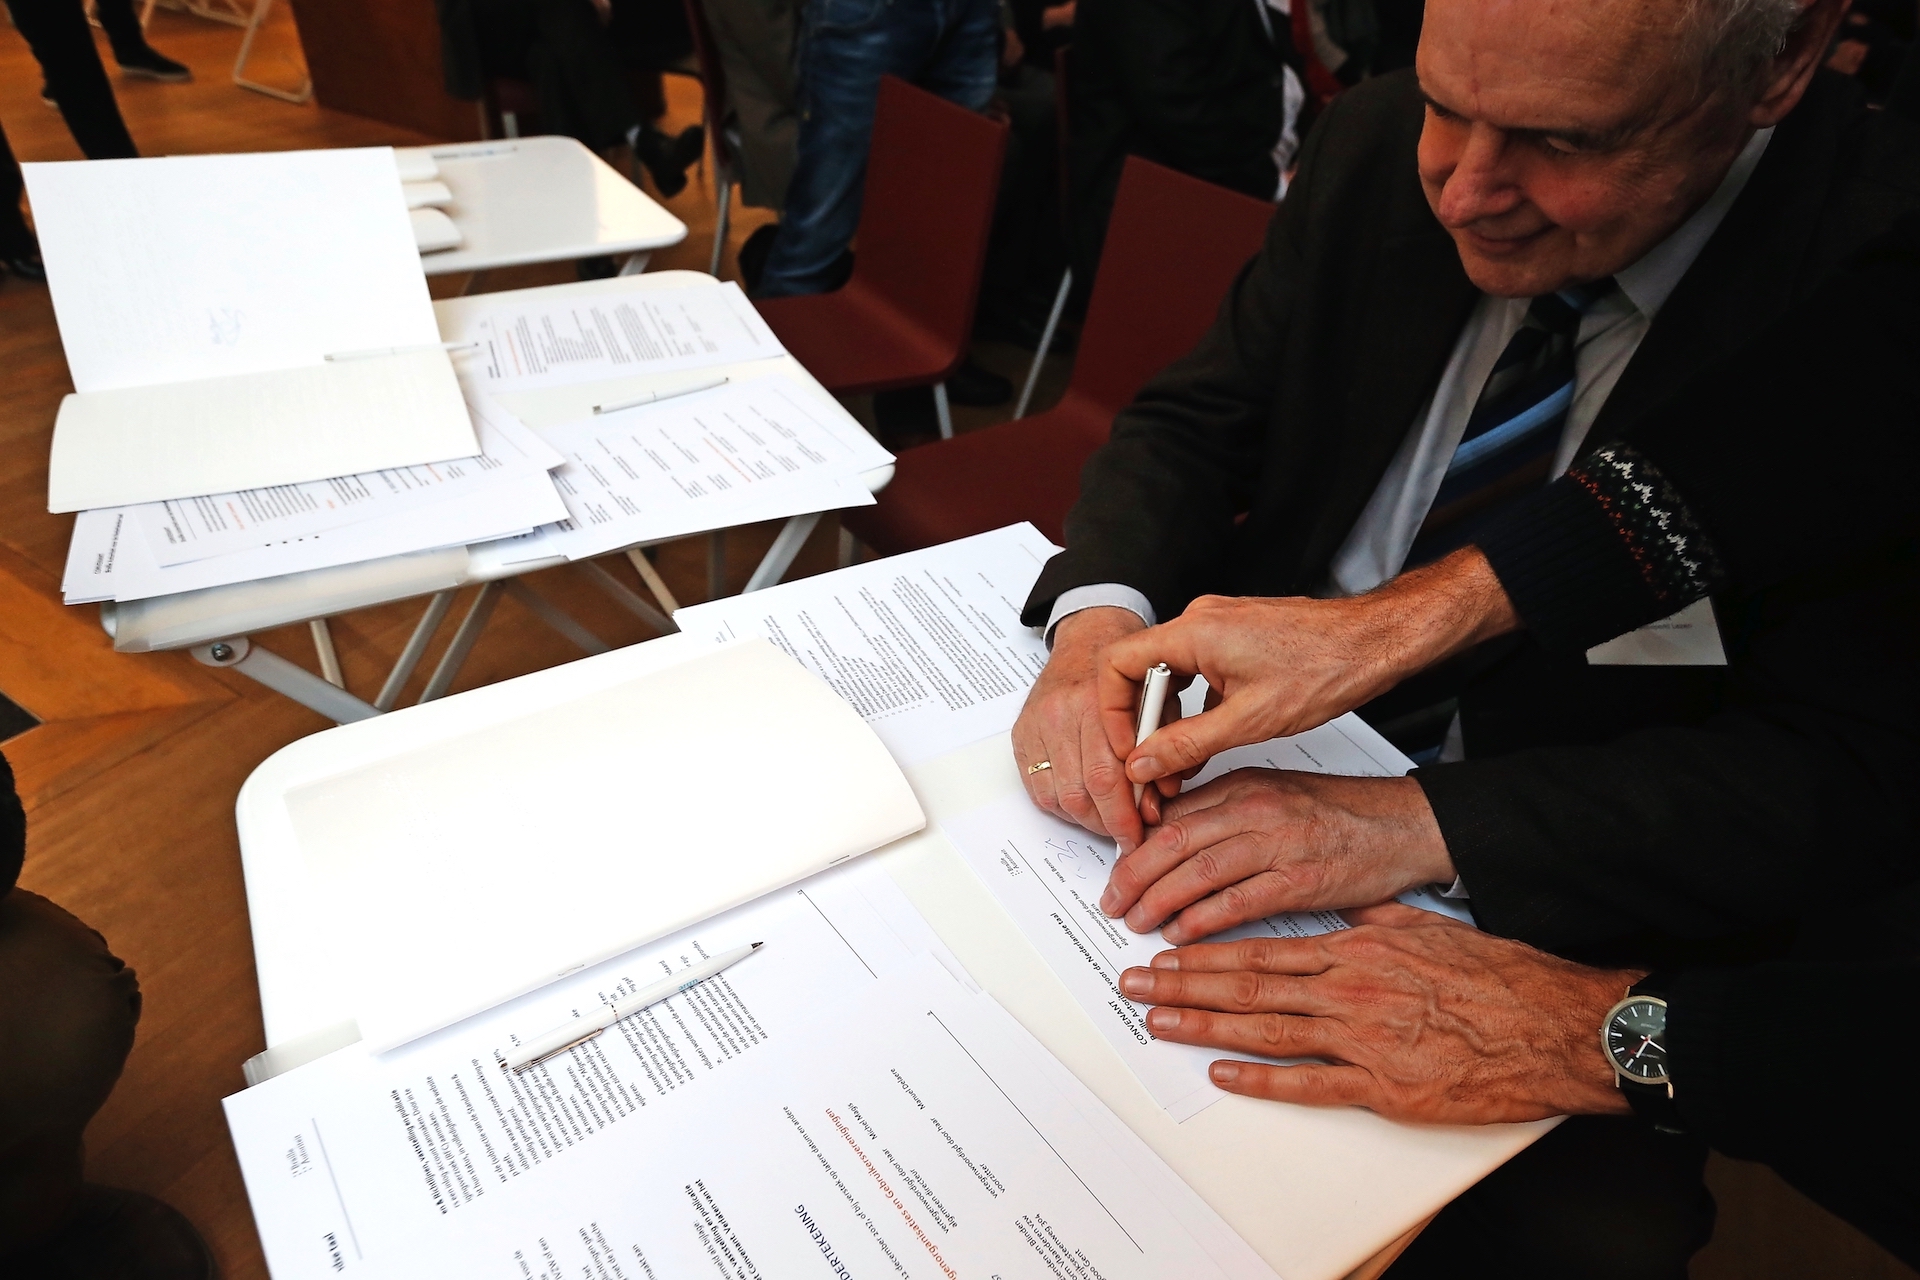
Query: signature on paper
x=225 y=323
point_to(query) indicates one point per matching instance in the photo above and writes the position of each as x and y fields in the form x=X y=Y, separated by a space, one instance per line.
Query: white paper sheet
x=583 y=830
x=758 y=450
x=832 y=1106
x=109 y=559
x=219 y=524
x=187 y=267
x=547 y=342
x=1049 y=875
x=1689 y=638
x=927 y=646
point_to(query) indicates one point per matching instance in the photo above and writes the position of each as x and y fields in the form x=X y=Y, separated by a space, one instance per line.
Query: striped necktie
x=1515 y=427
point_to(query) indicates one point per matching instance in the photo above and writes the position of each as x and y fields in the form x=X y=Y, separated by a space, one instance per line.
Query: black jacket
x=1194 y=85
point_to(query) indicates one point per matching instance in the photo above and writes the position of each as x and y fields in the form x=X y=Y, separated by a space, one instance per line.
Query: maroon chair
x=1172 y=249
x=905 y=316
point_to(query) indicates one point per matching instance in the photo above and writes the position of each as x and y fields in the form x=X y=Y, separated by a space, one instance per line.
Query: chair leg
x=943 y=410
x=779 y=558
x=723 y=199
x=1046 y=341
x=849 y=549
x=635 y=263
x=510 y=123
x=651 y=576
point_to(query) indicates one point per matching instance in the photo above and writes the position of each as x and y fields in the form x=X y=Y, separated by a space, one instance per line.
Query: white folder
x=586 y=829
x=198 y=298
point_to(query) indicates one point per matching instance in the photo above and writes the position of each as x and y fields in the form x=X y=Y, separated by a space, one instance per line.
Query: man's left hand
x=1415 y=1016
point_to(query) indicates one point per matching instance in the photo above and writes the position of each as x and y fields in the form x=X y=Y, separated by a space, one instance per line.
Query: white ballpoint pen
x=1153 y=700
x=581 y=1030
x=654 y=397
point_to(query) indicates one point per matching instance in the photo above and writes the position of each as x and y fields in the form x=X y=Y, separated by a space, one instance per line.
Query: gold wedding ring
x=1037 y=766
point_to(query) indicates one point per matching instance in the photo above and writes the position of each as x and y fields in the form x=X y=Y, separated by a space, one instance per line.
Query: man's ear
x=1806 y=49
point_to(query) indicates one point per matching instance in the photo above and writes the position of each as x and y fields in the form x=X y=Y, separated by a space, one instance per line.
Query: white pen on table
x=372 y=352
x=654 y=397
x=581 y=1030
x=1153 y=700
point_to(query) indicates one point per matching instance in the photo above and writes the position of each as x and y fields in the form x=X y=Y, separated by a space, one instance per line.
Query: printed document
x=198 y=298
x=1049 y=875
x=927 y=646
x=758 y=450
x=217 y=524
x=553 y=341
x=112 y=558
x=836 y=1105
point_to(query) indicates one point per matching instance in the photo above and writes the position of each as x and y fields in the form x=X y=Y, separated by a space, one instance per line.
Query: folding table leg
x=635 y=264
x=474 y=282
x=942 y=411
x=723 y=202
x=1046 y=341
x=463 y=641
x=275 y=672
x=779 y=558
x=849 y=549
x=555 y=617
x=416 y=649
x=252 y=24
x=716 y=564
x=651 y=576
x=627 y=599
x=323 y=649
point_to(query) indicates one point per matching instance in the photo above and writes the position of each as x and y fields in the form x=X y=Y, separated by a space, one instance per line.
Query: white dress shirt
x=1610 y=332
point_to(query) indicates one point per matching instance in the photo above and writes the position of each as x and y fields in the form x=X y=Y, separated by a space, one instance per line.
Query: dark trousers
x=67 y=1013
x=62 y=43
x=1599 y=1198
x=948 y=47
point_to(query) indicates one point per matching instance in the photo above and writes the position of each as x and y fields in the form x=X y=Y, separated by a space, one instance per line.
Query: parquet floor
x=130 y=777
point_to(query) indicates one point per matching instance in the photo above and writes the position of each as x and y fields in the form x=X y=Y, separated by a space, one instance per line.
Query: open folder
x=198 y=298
x=690 y=790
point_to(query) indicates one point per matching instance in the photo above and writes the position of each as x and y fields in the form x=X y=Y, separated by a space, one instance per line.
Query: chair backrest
x=713 y=85
x=1173 y=247
x=933 y=174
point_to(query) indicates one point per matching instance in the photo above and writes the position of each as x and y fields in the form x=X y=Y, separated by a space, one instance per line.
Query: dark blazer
x=1194 y=85
x=1243 y=467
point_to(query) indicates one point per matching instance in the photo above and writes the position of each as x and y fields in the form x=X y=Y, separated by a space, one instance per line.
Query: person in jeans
x=948 y=47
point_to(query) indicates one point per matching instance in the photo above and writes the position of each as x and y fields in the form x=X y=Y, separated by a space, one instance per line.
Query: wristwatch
x=1633 y=1035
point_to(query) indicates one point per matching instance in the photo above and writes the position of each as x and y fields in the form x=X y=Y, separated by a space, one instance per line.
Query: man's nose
x=1481 y=184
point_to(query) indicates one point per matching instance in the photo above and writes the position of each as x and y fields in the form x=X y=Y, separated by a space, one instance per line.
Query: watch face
x=1637 y=1039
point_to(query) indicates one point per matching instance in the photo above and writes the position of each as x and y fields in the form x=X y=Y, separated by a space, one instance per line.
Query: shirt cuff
x=1097 y=596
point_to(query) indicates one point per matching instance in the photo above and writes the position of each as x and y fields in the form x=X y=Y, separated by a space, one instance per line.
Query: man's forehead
x=1572 y=66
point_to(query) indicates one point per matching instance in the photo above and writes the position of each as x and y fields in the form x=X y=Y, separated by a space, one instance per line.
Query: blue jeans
x=948 y=47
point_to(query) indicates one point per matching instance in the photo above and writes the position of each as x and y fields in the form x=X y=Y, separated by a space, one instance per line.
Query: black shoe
x=972 y=385
x=661 y=156
x=26 y=266
x=905 y=418
x=148 y=63
x=118 y=1235
x=689 y=146
x=752 y=259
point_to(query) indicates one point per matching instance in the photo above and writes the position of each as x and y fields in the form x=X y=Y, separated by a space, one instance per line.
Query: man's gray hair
x=1736 y=40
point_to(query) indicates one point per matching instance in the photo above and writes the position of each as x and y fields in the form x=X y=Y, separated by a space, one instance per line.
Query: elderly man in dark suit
x=1570 y=210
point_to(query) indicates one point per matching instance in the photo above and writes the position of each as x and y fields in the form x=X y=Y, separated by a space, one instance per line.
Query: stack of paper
x=199 y=298
x=160 y=548
x=845 y=1103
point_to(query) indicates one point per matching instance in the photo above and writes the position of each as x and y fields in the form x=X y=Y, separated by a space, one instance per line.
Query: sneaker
x=148 y=63
x=118 y=1235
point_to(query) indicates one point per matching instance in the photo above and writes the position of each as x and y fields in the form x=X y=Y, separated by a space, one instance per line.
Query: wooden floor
x=130 y=778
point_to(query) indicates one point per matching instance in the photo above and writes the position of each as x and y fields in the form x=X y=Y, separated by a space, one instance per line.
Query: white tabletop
x=1315 y=1192
x=521 y=200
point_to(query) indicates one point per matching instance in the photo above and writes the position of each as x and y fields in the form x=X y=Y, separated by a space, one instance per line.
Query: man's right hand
x=1276 y=667
x=1060 y=723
